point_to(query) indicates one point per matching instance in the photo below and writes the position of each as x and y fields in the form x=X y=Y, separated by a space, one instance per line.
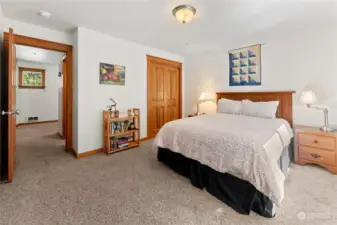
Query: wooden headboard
x=285 y=108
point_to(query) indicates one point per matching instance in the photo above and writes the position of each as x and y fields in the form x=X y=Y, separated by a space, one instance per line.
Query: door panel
x=172 y=100
x=158 y=89
x=163 y=94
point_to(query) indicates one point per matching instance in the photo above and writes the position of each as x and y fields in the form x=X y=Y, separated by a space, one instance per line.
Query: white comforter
x=246 y=147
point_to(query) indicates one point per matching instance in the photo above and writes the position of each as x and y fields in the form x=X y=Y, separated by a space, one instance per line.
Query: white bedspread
x=246 y=147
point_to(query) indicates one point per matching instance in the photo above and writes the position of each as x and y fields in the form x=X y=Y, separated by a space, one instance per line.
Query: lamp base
x=327 y=129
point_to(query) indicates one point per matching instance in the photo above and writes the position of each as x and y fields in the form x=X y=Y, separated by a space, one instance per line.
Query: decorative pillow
x=259 y=109
x=229 y=106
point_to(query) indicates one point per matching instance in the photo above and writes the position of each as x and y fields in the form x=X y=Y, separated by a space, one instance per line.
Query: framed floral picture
x=31 y=78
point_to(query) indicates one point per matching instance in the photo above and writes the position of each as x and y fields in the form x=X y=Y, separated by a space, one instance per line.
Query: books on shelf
x=121 y=142
x=120 y=126
x=123 y=145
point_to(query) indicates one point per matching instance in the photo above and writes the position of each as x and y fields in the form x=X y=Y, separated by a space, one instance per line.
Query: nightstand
x=313 y=146
x=192 y=115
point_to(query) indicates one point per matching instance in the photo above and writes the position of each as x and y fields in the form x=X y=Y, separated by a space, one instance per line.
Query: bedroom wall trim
x=145 y=138
x=94 y=151
x=36 y=122
x=285 y=108
x=91 y=152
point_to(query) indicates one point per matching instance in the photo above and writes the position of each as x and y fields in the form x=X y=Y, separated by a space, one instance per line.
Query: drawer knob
x=315 y=156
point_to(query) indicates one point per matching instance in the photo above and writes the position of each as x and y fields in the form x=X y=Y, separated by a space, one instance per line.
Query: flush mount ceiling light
x=44 y=14
x=184 y=13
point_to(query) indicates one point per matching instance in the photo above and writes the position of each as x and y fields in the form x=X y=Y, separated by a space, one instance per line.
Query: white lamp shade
x=308 y=97
x=205 y=97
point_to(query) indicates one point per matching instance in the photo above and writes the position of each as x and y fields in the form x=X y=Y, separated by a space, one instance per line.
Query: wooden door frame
x=165 y=62
x=64 y=98
x=68 y=80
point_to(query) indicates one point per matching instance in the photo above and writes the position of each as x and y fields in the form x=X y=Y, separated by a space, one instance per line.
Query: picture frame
x=111 y=74
x=245 y=66
x=32 y=78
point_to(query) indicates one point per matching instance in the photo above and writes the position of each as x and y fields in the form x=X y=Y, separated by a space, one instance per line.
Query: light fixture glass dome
x=184 y=13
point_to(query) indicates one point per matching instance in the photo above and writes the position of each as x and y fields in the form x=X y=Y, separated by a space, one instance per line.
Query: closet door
x=156 y=98
x=171 y=89
x=163 y=93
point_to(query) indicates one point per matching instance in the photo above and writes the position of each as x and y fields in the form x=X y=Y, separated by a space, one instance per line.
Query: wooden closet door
x=163 y=93
x=156 y=98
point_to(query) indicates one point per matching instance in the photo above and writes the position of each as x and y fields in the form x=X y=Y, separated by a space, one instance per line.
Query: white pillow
x=259 y=109
x=229 y=106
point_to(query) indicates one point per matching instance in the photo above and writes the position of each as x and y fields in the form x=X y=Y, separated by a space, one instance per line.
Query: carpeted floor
x=131 y=187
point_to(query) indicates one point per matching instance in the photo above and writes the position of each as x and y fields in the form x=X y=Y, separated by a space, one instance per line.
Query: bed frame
x=285 y=108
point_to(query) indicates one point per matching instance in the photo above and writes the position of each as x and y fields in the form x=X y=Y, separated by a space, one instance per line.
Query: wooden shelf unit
x=109 y=136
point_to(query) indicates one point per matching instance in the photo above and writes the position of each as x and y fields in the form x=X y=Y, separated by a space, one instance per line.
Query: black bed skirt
x=236 y=193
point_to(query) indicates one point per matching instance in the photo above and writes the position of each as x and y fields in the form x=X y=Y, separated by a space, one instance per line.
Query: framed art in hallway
x=31 y=78
x=245 y=66
x=111 y=74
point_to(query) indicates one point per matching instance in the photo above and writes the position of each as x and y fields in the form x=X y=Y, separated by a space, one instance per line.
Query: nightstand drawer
x=316 y=141
x=317 y=155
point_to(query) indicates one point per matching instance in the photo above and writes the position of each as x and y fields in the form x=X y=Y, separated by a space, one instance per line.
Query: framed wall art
x=32 y=78
x=111 y=74
x=245 y=66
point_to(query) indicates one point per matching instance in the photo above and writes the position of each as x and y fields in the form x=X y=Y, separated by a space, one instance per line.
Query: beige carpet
x=52 y=187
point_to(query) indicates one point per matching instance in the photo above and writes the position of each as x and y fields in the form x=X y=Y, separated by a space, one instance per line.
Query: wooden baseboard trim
x=60 y=135
x=72 y=151
x=91 y=152
x=36 y=122
x=145 y=138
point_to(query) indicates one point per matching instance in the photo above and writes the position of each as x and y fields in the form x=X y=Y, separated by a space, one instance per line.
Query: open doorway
x=9 y=87
x=40 y=103
x=39 y=80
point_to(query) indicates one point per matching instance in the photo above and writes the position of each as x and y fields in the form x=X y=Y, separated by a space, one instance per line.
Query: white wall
x=93 y=48
x=75 y=128
x=35 y=31
x=39 y=102
x=293 y=61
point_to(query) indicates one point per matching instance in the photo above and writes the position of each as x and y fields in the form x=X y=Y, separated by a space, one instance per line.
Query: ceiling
x=38 y=55
x=150 y=22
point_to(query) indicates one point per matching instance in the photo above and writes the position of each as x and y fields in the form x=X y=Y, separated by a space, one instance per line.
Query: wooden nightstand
x=192 y=115
x=315 y=146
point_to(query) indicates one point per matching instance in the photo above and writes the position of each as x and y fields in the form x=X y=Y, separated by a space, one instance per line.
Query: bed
x=241 y=160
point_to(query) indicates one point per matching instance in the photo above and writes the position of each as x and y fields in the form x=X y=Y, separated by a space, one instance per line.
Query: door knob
x=14 y=112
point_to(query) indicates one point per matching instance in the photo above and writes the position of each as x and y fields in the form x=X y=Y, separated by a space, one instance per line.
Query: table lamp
x=308 y=98
x=204 y=97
